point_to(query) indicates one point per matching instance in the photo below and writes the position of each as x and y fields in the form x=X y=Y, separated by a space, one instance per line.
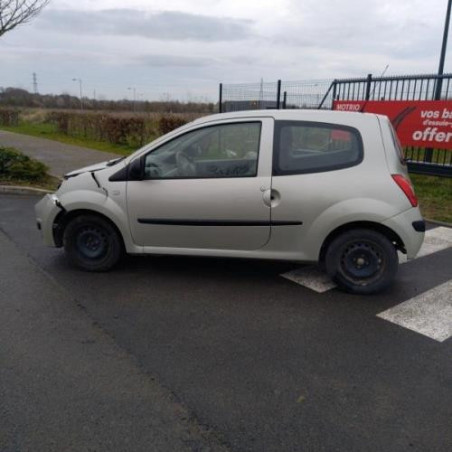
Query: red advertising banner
x=417 y=123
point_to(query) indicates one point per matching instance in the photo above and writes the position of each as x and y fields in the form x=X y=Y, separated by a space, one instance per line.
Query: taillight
x=406 y=187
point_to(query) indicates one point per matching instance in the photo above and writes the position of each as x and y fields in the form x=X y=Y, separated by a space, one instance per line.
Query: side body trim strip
x=190 y=222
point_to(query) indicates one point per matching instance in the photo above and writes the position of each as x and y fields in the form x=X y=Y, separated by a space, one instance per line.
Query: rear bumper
x=410 y=227
x=46 y=211
x=419 y=226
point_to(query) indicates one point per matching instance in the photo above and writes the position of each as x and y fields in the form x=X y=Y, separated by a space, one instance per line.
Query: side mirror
x=136 y=170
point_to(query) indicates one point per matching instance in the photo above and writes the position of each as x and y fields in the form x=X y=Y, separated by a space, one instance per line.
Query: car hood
x=92 y=168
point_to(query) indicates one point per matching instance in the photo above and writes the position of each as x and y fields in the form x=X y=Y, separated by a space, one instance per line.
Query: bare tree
x=16 y=12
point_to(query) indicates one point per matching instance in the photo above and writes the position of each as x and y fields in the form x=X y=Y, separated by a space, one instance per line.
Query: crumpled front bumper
x=47 y=209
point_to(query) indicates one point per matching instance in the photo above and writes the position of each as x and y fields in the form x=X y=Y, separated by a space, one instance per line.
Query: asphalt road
x=260 y=363
x=66 y=386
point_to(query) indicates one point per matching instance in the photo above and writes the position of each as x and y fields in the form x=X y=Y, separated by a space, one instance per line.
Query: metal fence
x=406 y=87
x=280 y=94
x=320 y=94
x=249 y=96
x=437 y=162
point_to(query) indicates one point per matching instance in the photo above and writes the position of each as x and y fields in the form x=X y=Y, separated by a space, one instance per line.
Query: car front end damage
x=47 y=210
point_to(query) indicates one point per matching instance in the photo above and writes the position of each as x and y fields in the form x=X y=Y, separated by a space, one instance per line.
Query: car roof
x=294 y=115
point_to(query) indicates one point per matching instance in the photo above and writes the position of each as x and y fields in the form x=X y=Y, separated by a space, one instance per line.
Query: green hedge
x=122 y=129
x=9 y=117
x=16 y=166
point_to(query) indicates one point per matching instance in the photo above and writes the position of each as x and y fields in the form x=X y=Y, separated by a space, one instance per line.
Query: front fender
x=99 y=201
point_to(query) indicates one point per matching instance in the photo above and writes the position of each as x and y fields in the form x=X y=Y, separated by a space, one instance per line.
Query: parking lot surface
x=65 y=384
x=265 y=363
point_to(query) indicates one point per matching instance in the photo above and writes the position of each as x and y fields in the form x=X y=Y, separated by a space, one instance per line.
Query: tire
x=92 y=243
x=361 y=261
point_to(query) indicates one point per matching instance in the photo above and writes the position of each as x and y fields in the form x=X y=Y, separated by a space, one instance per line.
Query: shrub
x=120 y=130
x=33 y=116
x=126 y=129
x=61 y=120
x=16 y=166
x=9 y=117
x=115 y=129
x=170 y=122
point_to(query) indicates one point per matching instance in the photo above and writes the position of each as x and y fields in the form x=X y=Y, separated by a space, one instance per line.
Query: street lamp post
x=442 y=58
x=428 y=156
x=79 y=80
x=134 y=97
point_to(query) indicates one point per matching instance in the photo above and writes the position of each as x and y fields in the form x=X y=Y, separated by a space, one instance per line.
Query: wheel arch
x=378 y=227
x=64 y=217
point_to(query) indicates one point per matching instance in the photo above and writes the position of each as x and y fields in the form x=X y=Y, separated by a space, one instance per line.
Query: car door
x=206 y=189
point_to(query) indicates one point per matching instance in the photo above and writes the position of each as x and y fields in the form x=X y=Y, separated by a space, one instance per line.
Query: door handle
x=271 y=197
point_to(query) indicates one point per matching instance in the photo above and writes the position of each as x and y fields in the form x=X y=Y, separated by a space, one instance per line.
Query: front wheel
x=92 y=243
x=361 y=261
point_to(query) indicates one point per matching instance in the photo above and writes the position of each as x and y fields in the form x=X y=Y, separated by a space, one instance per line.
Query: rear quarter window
x=310 y=147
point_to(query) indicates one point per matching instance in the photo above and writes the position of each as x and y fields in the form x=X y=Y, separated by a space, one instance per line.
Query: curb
x=439 y=223
x=19 y=190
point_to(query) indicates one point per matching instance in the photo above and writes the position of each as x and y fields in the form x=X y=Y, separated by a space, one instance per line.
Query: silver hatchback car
x=302 y=186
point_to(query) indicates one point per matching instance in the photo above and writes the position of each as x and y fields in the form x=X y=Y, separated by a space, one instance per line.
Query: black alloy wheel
x=362 y=261
x=92 y=243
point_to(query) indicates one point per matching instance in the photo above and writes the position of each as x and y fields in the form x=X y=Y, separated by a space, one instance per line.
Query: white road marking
x=429 y=313
x=313 y=278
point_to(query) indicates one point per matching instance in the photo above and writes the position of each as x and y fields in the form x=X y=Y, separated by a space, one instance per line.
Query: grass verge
x=435 y=196
x=48 y=183
x=48 y=131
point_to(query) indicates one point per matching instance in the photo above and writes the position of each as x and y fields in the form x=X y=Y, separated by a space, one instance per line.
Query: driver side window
x=228 y=150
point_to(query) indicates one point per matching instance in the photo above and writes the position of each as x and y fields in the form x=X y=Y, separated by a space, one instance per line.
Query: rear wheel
x=361 y=261
x=92 y=243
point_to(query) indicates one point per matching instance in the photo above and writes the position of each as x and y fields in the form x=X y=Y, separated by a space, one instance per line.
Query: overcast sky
x=182 y=49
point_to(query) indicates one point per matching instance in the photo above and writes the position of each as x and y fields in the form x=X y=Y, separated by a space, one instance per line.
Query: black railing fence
x=321 y=94
x=405 y=87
